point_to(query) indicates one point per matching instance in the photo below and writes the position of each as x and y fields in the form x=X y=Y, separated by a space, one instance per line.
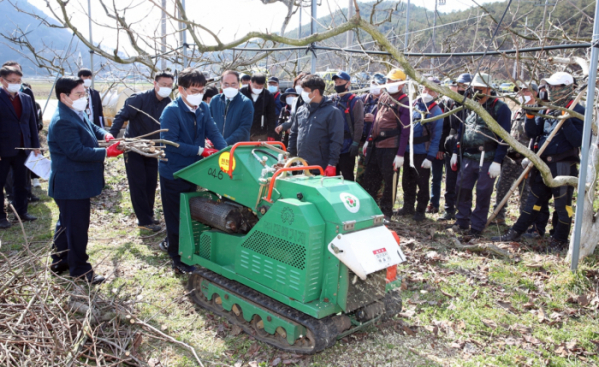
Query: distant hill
x=453 y=33
x=39 y=35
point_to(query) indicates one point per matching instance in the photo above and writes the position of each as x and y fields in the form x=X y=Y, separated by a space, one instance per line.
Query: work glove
x=494 y=170
x=330 y=171
x=206 y=152
x=113 y=150
x=426 y=164
x=397 y=162
x=525 y=163
x=208 y=144
x=108 y=137
x=454 y=162
x=353 y=149
x=270 y=139
x=364 y=149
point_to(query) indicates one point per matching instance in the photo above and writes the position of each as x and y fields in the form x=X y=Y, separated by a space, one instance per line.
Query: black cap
x=273 y=79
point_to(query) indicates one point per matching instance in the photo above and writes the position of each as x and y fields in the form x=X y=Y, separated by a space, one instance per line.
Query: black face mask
x=461 y=92
x=340 y=88
x=543 y=95
x=478 y=95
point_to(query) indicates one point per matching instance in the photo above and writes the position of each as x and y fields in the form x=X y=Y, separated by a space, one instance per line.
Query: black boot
x=556 y=246
x=404 y=212
x=448 y=215
x=510 y=236
x=419 y=217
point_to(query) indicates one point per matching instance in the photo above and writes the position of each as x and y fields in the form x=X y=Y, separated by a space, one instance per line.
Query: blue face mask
x=273 y=89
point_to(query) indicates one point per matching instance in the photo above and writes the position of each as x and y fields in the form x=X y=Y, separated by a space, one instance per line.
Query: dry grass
x=461 y=308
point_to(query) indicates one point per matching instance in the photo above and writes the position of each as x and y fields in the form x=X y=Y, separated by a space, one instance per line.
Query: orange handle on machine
x=249 y=143
x=287 y=169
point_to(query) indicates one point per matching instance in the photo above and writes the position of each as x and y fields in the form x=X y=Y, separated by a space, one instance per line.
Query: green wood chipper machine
x=296 y=260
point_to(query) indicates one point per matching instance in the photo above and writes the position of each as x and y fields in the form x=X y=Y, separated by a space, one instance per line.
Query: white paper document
x=39 y=165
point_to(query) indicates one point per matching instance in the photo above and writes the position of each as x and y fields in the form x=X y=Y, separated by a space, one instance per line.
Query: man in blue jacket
x=77 y=175
x=18 y=129
x=425 y=145
x=561 y=155
x=143 y=111
x=232 y=112
x=189 y=124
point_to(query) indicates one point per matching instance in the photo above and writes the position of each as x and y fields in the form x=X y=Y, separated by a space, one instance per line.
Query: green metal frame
x=285 y=255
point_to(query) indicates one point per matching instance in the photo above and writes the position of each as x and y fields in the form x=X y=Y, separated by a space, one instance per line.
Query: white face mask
x=194 y=99
x=273 y=89
x=426 y=98
x=230 y=92
x=80 y=104
x=87 y=83
x=299 y=89
x=257 y=91
x=305 y=96
x=290 y=100
x=524 y=99
x=13 y=88
x=392 y=89
x=164 y=92
x=374 y=89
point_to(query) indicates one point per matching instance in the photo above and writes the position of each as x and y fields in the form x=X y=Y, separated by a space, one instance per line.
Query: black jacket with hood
x=317 y=133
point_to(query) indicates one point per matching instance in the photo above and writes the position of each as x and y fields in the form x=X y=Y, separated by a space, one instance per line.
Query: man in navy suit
x=187 y=122
x=18 y=129
x=77 y=175
x=93 y=109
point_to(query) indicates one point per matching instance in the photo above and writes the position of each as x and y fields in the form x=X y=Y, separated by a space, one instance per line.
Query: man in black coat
x=18 y=129
x=143 y=111
x=265 y=118
x=31 y=177
x=94 y=108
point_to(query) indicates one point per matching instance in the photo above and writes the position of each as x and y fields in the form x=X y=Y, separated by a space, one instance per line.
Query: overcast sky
x=228 y=18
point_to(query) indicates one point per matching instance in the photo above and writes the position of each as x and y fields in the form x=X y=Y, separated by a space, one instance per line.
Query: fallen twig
x=479 y=247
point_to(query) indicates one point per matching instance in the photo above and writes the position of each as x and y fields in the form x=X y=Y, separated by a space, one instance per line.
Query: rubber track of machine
x=393 y=304
x=323 y=330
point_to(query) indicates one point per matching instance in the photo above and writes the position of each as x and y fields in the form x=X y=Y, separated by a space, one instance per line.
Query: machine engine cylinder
x=221 y=215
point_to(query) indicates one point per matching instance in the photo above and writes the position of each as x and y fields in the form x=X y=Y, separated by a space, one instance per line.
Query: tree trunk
x=590 y=224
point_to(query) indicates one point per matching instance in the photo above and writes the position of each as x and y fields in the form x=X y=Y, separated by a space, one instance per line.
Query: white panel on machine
x=367 y=251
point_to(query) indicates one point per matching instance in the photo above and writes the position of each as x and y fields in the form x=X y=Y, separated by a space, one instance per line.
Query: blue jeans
x=436 y=182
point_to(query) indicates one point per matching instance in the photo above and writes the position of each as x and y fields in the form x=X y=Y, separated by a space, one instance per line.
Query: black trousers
x=412 y=178
x=379 y=167
x=20 y=173
x=171 y=191
x=70 y=236
x=451 y=178
x=346 y=166
x=9 y=185
x=142 y=174
x=540 y=194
